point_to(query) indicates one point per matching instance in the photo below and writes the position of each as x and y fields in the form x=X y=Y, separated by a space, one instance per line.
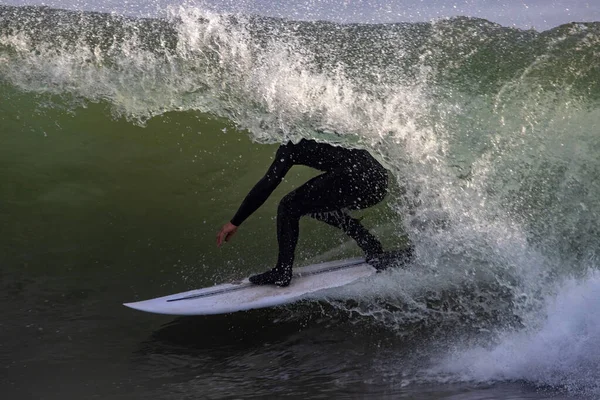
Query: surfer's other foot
x=387 y=259
x=277 y=276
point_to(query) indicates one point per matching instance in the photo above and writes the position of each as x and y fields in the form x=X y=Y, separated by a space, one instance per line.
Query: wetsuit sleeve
x=263 y=189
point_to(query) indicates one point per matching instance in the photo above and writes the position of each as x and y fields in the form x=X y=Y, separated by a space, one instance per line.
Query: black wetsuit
x=352 y=180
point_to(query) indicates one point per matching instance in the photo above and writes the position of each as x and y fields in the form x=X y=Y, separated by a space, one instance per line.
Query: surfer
x=351 y=180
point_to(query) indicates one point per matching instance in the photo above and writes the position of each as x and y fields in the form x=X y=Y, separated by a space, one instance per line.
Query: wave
x=489 y=131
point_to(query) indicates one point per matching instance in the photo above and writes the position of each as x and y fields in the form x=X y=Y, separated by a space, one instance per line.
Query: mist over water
x=491 y=134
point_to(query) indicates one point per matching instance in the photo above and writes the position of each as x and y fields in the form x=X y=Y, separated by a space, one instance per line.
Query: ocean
x=127 y=142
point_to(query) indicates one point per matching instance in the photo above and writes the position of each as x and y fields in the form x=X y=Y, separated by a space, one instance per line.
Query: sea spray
x=558 y=349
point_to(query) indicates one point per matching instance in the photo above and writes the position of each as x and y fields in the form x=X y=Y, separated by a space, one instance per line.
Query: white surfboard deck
x=239 y=296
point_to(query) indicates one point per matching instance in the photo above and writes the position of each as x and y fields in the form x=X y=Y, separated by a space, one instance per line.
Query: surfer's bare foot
x=277 y=276
x=391 y=258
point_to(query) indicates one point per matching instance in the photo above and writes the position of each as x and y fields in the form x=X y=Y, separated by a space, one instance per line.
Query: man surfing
x=351 y=180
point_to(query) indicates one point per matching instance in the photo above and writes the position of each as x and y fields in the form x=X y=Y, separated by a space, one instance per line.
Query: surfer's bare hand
x=226 y=232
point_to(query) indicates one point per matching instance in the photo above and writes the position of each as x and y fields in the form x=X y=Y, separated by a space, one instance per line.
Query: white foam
x=563 y=351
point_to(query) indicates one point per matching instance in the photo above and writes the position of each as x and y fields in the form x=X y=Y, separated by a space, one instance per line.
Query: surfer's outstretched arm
x=260 y=192
x=263 y=189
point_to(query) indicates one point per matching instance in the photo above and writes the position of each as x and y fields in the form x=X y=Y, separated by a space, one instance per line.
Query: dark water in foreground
x=299 y=352
x=125 y=144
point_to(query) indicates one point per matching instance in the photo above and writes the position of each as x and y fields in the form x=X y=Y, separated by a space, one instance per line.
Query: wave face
x=491 y=133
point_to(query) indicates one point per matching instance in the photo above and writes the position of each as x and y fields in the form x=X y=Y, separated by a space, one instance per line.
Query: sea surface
x=127 y=142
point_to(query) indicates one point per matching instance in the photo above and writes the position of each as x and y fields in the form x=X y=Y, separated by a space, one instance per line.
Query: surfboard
x=243 y=295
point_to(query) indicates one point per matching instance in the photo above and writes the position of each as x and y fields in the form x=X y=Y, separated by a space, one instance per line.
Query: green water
x=97 y=212
x=95 y=196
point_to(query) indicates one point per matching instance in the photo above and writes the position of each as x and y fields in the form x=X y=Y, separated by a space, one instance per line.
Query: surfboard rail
x=243 y=295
